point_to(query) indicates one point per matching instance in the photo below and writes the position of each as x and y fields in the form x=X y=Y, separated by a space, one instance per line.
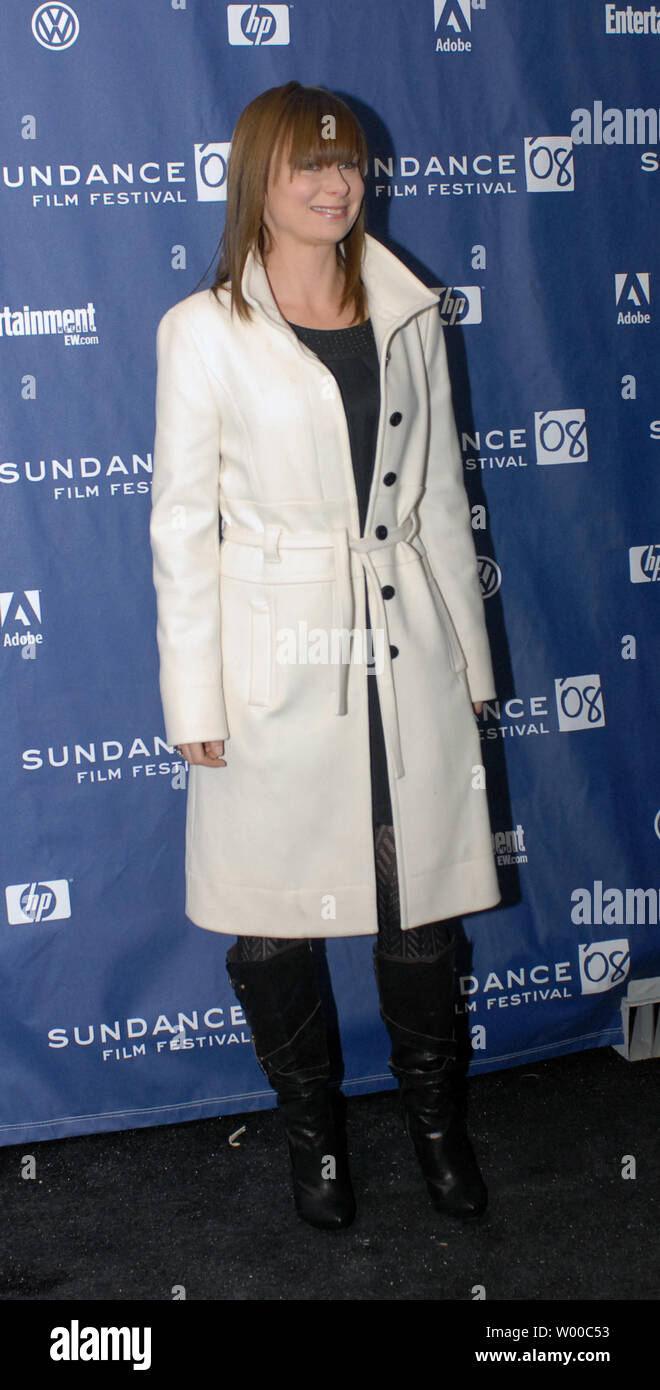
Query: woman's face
x=314 y=205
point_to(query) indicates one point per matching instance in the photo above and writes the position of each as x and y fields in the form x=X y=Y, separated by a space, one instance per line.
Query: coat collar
x=394 y=294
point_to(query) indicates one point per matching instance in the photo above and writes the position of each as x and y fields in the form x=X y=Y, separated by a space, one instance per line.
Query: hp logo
x=47 y=901
x=258 y=25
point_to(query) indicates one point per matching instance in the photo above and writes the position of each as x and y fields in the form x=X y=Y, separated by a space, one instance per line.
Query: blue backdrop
x=514 y=162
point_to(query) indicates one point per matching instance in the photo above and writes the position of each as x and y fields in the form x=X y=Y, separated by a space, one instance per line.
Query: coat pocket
x=454 y=648
x=261 y=652
x=456 y=653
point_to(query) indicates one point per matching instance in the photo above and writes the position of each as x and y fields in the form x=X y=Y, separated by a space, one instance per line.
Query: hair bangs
x=320 y=128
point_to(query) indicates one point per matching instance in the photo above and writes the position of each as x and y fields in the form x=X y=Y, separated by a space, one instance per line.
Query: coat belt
x=273 y=537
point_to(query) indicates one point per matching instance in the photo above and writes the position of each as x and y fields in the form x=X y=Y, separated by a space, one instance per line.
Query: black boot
x=280 y=999
x=417 y=1008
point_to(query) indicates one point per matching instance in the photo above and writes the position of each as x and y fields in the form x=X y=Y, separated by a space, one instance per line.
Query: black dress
x=352 y=357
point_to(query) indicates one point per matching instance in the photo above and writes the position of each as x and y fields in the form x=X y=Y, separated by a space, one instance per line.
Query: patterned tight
x=417 y=943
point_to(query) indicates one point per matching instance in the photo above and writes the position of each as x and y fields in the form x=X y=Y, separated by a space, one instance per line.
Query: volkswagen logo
x=55 y=26
x=490 y=575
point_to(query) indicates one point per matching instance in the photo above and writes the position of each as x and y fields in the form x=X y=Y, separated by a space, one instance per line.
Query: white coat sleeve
x=185 y=537
x=444 y=515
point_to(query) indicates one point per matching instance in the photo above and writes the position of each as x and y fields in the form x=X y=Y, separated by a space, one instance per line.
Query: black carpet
x=137 y=1214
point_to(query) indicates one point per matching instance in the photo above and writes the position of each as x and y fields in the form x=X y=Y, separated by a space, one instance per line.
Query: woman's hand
x=477 y=706
x=204 y=754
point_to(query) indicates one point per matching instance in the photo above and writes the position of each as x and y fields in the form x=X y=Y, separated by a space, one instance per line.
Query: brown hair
x=262 y=131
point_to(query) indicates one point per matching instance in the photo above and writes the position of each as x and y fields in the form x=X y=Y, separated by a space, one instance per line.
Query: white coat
x=250 y=423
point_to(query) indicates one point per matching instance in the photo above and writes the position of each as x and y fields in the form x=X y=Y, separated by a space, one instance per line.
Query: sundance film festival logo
x=257 y=25
x=632 y=291
x=77 y=478
x=644 y=564
x=47 y=901
x=561 y=436
x=459 y=304
x=508 y=447
x=211 y=171
x=98 y=185
x=579 y=703
x=603 y=965
x=21 y=609
x=55 y=27
x=108 y=761
x=549 y=164
x=536 y=984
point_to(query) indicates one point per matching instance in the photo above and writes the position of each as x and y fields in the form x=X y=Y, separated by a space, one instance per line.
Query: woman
x=306 y=399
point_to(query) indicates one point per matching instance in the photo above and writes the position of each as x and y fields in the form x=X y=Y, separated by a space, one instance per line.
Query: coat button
x=381 y=532
x=388 y=591
x=389 y=479
x=394 y=651
x=396 y=418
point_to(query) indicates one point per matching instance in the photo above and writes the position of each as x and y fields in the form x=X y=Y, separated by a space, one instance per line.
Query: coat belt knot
x=273 y=537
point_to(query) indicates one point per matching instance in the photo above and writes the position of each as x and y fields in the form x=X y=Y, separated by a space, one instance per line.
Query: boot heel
x=322 y=1190
x=445 y=1155
x=281 y=1002
x=417 y=1009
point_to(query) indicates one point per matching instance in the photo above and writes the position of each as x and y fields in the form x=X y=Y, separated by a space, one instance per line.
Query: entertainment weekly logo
x=76 y=327
x=630 y=19
x=509 y=846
